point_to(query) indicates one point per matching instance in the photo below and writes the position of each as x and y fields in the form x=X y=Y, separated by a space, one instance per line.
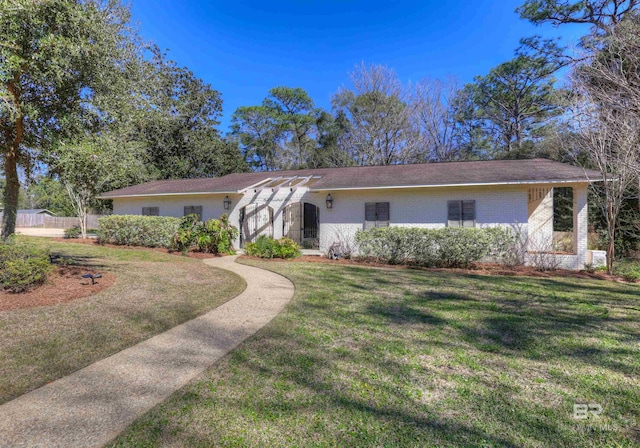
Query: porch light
x=329 y=201
x=227 y=203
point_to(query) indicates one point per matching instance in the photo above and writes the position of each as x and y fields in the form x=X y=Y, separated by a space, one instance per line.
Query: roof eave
x=144 y=195
x=471 y=184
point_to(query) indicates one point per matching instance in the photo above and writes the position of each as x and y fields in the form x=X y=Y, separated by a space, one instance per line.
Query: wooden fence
x=53 y=222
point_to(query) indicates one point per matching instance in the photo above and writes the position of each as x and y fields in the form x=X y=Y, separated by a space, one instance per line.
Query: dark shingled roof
x=491 y=172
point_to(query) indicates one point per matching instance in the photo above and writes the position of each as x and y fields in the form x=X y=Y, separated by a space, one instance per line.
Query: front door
x=300 y=223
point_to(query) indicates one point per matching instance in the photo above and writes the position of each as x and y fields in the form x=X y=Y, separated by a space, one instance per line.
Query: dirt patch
x=64 y=285
x=93 y=241
x=479 y=269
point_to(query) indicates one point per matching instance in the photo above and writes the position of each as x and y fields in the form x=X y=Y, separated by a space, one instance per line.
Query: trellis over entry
x=276 y=183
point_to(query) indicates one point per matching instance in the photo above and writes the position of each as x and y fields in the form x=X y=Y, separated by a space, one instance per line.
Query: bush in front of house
x=72 y=232
x=267 y=247
x=628 y=269
x=23 y=266
x=445 y=247
x=134 y=230
x=215 y=236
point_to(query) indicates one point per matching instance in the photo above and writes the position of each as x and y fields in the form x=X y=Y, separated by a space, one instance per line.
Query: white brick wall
x=212 y=206
x=422 y=208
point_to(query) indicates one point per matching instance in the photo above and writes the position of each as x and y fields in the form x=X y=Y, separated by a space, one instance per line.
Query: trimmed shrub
x=267 y=247
x=445 y=247
x=23 y=266
x=134 y=230
x=287 y=248
x=72 y=232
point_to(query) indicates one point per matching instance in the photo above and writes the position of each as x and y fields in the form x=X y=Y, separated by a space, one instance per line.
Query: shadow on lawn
x=344 y=350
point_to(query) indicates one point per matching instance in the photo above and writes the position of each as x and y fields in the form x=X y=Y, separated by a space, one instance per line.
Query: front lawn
x=152 y=293
x=395 y=357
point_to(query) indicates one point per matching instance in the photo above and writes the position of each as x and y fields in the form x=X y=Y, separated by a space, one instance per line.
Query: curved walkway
x=93 y=405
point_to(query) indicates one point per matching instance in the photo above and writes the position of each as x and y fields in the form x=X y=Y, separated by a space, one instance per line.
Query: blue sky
x=244 y=48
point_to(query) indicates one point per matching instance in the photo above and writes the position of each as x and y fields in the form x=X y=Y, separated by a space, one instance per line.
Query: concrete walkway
x=38 y=231
x=92 y=406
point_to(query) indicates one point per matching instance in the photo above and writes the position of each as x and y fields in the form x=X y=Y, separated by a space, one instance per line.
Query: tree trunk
x=83 y=219
x=13 y=141
x=611 y=230
x=11 y=192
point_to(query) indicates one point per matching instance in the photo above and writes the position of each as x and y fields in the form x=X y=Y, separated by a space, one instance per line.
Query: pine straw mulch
x=478 y=269
x=65 y=284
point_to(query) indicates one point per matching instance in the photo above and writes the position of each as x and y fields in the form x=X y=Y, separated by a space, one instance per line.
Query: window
x=461 y=213
x=376 y=214
x=193 y=209
x=150 y=211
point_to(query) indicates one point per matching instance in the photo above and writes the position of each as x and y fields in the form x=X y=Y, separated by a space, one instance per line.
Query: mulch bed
x=64 y=285
x=198 y=255
x=479 y=269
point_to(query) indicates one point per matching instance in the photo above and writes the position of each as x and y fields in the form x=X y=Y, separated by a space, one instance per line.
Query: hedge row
x=446 y=247
x=133 y=230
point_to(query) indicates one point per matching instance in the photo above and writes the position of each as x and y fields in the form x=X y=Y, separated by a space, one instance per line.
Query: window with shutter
x=461 y=213
x=376 y=214
x=150 y=211
x=193 y=209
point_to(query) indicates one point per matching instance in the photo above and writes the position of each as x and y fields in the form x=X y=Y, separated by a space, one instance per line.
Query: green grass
x=628 y=269
x=152 y=293
x=391 y=357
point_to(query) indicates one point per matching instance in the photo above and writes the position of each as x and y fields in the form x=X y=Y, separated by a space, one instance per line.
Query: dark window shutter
x=150 y=211
x=454 y=213
x=382 y=214
x=369 y=215
x=370 y=211
x=468 y=213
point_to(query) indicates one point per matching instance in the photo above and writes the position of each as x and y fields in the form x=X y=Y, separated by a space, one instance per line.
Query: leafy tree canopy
x=55 y=56
x=601 y=14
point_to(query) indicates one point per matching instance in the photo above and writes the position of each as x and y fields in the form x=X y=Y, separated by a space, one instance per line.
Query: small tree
x=89 y=167
x=609 y=136
x=606 y=120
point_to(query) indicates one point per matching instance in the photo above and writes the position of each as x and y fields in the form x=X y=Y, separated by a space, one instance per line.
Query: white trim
x=167 y=194
x=244 y=190
x=573 y=181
